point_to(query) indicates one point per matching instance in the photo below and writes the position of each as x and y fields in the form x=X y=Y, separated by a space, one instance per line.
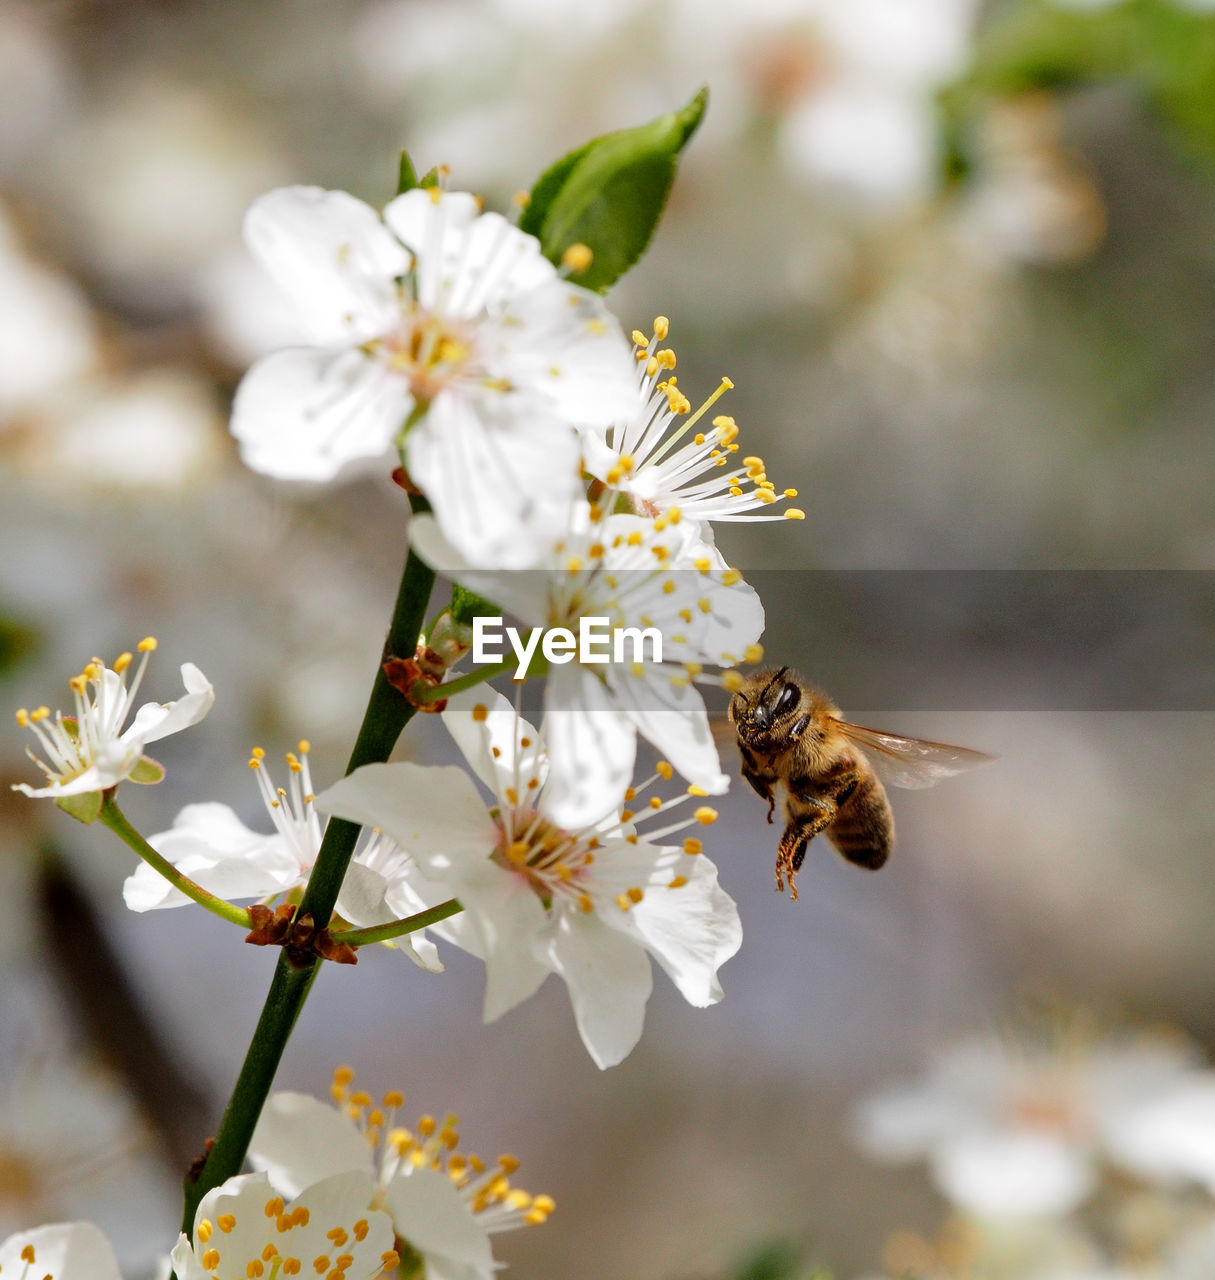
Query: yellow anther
x=23 y=718
x=674 y=515
x=255 y=1269
x=269 y=1252
x=698 y=438
x=622 y=902
x=794 y=513
x=533 y=783
x=577 y=258
x=480 y=713
x=303 y=746
x=764 y=496
x=660 y=524
x=342 y=1076
x=630 y=794
x=584 y=903
x=225 y=1222
x=258 y=753
x=147 y=644
x=210 y=1259
x=122 y=662
x=655 y=802
x=573 y=564
x=705 y=816
x=635 y=894
x=400 y=1140
x=660 y=552
x=703 y=564
x=731 y=681
x=343 y=1260
x=205 y=1230
x=41 y=713
x=291 y=1266
x=692 y=846
x=704 y=606
x=427 y=1126
x=693 y=668
x=360 y=1099
x=375 y=1117
x=274 y=1207
x=662 y=326
x=338 y=1236
x=694 y=790
x=521 y=199
x=634 y=538
x=626 y=815
x=790 y=493
x=751 y=460
x=753 y=653
x=639 y=339
x=730 y=578
x=625 y=462
x=735 y=491
x=518 y=1199
x=597 y=550
x=512 y=795
x=320 y=1264
x=678 y=882
x=391 y=1259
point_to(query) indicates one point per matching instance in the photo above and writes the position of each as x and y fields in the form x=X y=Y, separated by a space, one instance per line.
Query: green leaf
x=431 y=178
x=147 y=771
x=407 y=175
x=84 y=808
x=467 y=605
x=610 y=193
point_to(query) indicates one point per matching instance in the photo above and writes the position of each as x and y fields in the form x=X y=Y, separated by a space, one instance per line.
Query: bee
x=791 y=735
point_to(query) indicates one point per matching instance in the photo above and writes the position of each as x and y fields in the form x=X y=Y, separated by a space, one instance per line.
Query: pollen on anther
x=692 y=846
x=225 y=1222
x=794 y=513
x=480 y=713
x=705 y=815
x=677 y=882
x=731 y=681
x=147 y=644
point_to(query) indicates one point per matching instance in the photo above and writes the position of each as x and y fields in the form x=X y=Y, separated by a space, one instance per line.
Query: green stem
x=473 y=678
x=113 y=817
x=398 y=928
x=386 y=715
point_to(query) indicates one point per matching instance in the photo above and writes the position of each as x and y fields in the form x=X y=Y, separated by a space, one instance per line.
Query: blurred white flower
x=213 y=847
x=445 y=314
x=47 y=333
x=1170 y=1137
x=89 y=750
x=643 y=575
x=153 y=185
x=158 y=430
x=1019 y=1128
x=243 y=1224
x=61 y=1251
x=444 y=1205
x=541 y=896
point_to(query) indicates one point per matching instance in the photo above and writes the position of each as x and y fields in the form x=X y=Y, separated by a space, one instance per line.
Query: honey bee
x=790 y=735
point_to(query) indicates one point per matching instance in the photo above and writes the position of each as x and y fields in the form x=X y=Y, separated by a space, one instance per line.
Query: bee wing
x=912 y=762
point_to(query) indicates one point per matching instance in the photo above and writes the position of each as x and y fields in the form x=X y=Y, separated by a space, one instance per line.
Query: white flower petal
x=609 y=981
x=467 y=260
x=692 y=930
x=313 y=413
x=209 y=844
x=1168 y=1138
x=434 y=813
x=300 y=1140
x=500 y=728
x=905 y=1123
x=591 y=746
x=65 y=1250
x=1012 y=1174
x=673 y=717
x=501 y=472
x=154 y=721
x=332 y=256
x=432 y=1216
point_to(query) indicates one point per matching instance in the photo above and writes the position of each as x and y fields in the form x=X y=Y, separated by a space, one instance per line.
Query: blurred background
x=959 y=260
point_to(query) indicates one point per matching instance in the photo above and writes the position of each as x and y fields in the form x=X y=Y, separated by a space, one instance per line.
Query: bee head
x=766 y=708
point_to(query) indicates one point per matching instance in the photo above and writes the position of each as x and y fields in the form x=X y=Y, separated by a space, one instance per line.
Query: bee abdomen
x=863 y=830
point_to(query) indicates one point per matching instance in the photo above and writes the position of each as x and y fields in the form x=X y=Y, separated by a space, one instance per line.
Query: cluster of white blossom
x=567 y=477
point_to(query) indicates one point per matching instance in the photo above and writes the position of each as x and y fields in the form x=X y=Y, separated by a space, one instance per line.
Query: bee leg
x=759 y=784
x=795 y=840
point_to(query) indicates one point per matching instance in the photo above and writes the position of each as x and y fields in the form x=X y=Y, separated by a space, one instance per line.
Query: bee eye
x=789 y=698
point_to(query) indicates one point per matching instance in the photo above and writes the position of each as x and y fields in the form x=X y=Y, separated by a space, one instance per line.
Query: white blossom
x=90 y=750
x=639 y=574
x=541 y=896
x=444 y=1205
x=59 y=1251
x=442 y=326
x=213 y=847
x=245 y=1223
x=1018 y=1128
x=651 y=462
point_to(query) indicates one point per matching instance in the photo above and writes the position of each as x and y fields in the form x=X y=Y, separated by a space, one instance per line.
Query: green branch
x=113 y=817
x=399 y=928
x=386 y=715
